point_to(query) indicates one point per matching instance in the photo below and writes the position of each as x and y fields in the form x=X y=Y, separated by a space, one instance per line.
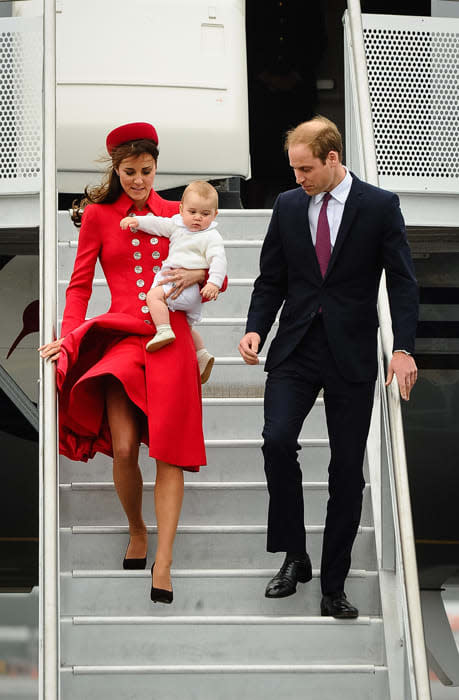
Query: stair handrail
x=49 y=497
x=415 y=629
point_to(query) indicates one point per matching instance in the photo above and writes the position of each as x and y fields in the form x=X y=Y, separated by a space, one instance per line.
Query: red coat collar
x=125 y=205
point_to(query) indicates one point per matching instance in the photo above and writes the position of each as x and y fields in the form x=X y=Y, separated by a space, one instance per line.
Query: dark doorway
x=295 y=58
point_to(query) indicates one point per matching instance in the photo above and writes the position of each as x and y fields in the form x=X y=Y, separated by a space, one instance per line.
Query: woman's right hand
x=179 y=278
x=51 y=351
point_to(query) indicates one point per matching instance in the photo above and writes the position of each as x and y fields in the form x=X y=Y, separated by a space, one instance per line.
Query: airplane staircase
x=221 y=638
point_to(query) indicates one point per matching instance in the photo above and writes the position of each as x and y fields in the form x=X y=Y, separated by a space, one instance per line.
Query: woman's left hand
x=181 y=279
x=51 y=351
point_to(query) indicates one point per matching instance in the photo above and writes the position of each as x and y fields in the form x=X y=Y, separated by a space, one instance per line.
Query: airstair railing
x=49 y=557
x=414 y=633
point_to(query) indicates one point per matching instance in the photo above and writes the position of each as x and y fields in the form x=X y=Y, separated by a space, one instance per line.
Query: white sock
x=201 y=352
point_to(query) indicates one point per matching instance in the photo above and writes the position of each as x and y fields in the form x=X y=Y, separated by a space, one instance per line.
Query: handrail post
x=49 y=559
x=421 y=673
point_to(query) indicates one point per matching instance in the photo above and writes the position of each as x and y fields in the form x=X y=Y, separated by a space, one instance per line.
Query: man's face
x=313 y=175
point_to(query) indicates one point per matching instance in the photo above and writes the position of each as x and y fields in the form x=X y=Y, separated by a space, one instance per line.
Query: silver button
x=135 y=241
x=145 y=310
x=153 y=241
x=142 y=296
x=147 y=321
x=137 y=255
x=155 y=254
x=156 y=268
x=140 y=283
x=138 y=269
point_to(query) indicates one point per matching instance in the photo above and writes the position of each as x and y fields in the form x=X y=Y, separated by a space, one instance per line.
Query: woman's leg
x=168 y=503
x=124 y=423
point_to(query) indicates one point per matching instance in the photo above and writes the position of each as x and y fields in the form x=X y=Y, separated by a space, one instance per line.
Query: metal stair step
x=204 y=592
x=225 y=682
x=222 y=334
x=243 y=418
x=199 y=547
x=227 y=459
x=243 y=503
x=220 y=639
x=231 y=377
x=247 y=224
x=243 y=257
x=234 y=302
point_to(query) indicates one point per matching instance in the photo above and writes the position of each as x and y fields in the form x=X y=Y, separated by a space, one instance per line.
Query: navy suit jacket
x=371 y=238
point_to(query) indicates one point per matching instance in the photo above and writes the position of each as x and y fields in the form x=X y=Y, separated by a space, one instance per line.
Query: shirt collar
x=340 y=192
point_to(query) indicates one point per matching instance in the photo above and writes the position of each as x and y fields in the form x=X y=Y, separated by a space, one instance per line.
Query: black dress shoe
x=337 y=605
x=132 y=563
x=160 y=595
x=284 y=582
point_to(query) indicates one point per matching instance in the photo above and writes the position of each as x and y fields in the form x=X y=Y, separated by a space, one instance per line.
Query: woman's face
x=136 y=175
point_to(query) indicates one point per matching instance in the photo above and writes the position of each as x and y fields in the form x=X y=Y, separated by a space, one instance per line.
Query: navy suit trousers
x=291 y=390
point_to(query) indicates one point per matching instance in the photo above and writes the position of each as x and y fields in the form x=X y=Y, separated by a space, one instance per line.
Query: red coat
x=164 y=385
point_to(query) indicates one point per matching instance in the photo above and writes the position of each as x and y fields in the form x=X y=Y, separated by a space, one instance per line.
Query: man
x=323 y=254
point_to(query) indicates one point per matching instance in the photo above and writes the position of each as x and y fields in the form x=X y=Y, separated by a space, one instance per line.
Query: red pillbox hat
x=130 y=132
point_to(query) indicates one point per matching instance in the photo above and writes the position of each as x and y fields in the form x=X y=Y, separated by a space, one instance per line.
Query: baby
x=194 y=244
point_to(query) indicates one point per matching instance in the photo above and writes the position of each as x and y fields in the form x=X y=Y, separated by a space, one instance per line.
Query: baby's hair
x=203 y=189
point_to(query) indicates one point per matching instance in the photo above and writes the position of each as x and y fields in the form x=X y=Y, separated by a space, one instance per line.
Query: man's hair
x=320 y=134
x=203 y=189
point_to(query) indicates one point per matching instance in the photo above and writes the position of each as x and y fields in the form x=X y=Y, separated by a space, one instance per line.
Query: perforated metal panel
x=413 y=79
x=20 y=104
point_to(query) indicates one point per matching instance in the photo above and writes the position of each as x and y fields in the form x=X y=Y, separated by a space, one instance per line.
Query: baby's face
x=197 y=212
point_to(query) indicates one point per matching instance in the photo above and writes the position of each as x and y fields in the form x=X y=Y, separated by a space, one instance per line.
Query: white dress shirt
x=335 y=208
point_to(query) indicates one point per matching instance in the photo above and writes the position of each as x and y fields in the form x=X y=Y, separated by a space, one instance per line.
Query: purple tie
x=323 y=244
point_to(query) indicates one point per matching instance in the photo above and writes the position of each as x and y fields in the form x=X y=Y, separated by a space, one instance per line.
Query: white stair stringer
x=221 y=638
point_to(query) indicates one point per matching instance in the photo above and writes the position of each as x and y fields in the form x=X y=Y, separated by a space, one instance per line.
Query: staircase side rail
x=49 y=556
x=414 y=633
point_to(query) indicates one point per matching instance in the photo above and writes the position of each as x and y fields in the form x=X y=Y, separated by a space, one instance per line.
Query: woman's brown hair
x=110 y=188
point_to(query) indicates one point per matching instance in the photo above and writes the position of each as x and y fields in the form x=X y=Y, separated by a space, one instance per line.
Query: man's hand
x=404 y=368
x=248 y=347
x=129 y=222
x=210 y=291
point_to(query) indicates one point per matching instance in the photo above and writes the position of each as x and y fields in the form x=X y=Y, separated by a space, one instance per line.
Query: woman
x=113 y=394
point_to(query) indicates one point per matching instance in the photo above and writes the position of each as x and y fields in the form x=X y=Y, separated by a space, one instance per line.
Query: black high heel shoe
x=160 y=595
x=132 y=563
